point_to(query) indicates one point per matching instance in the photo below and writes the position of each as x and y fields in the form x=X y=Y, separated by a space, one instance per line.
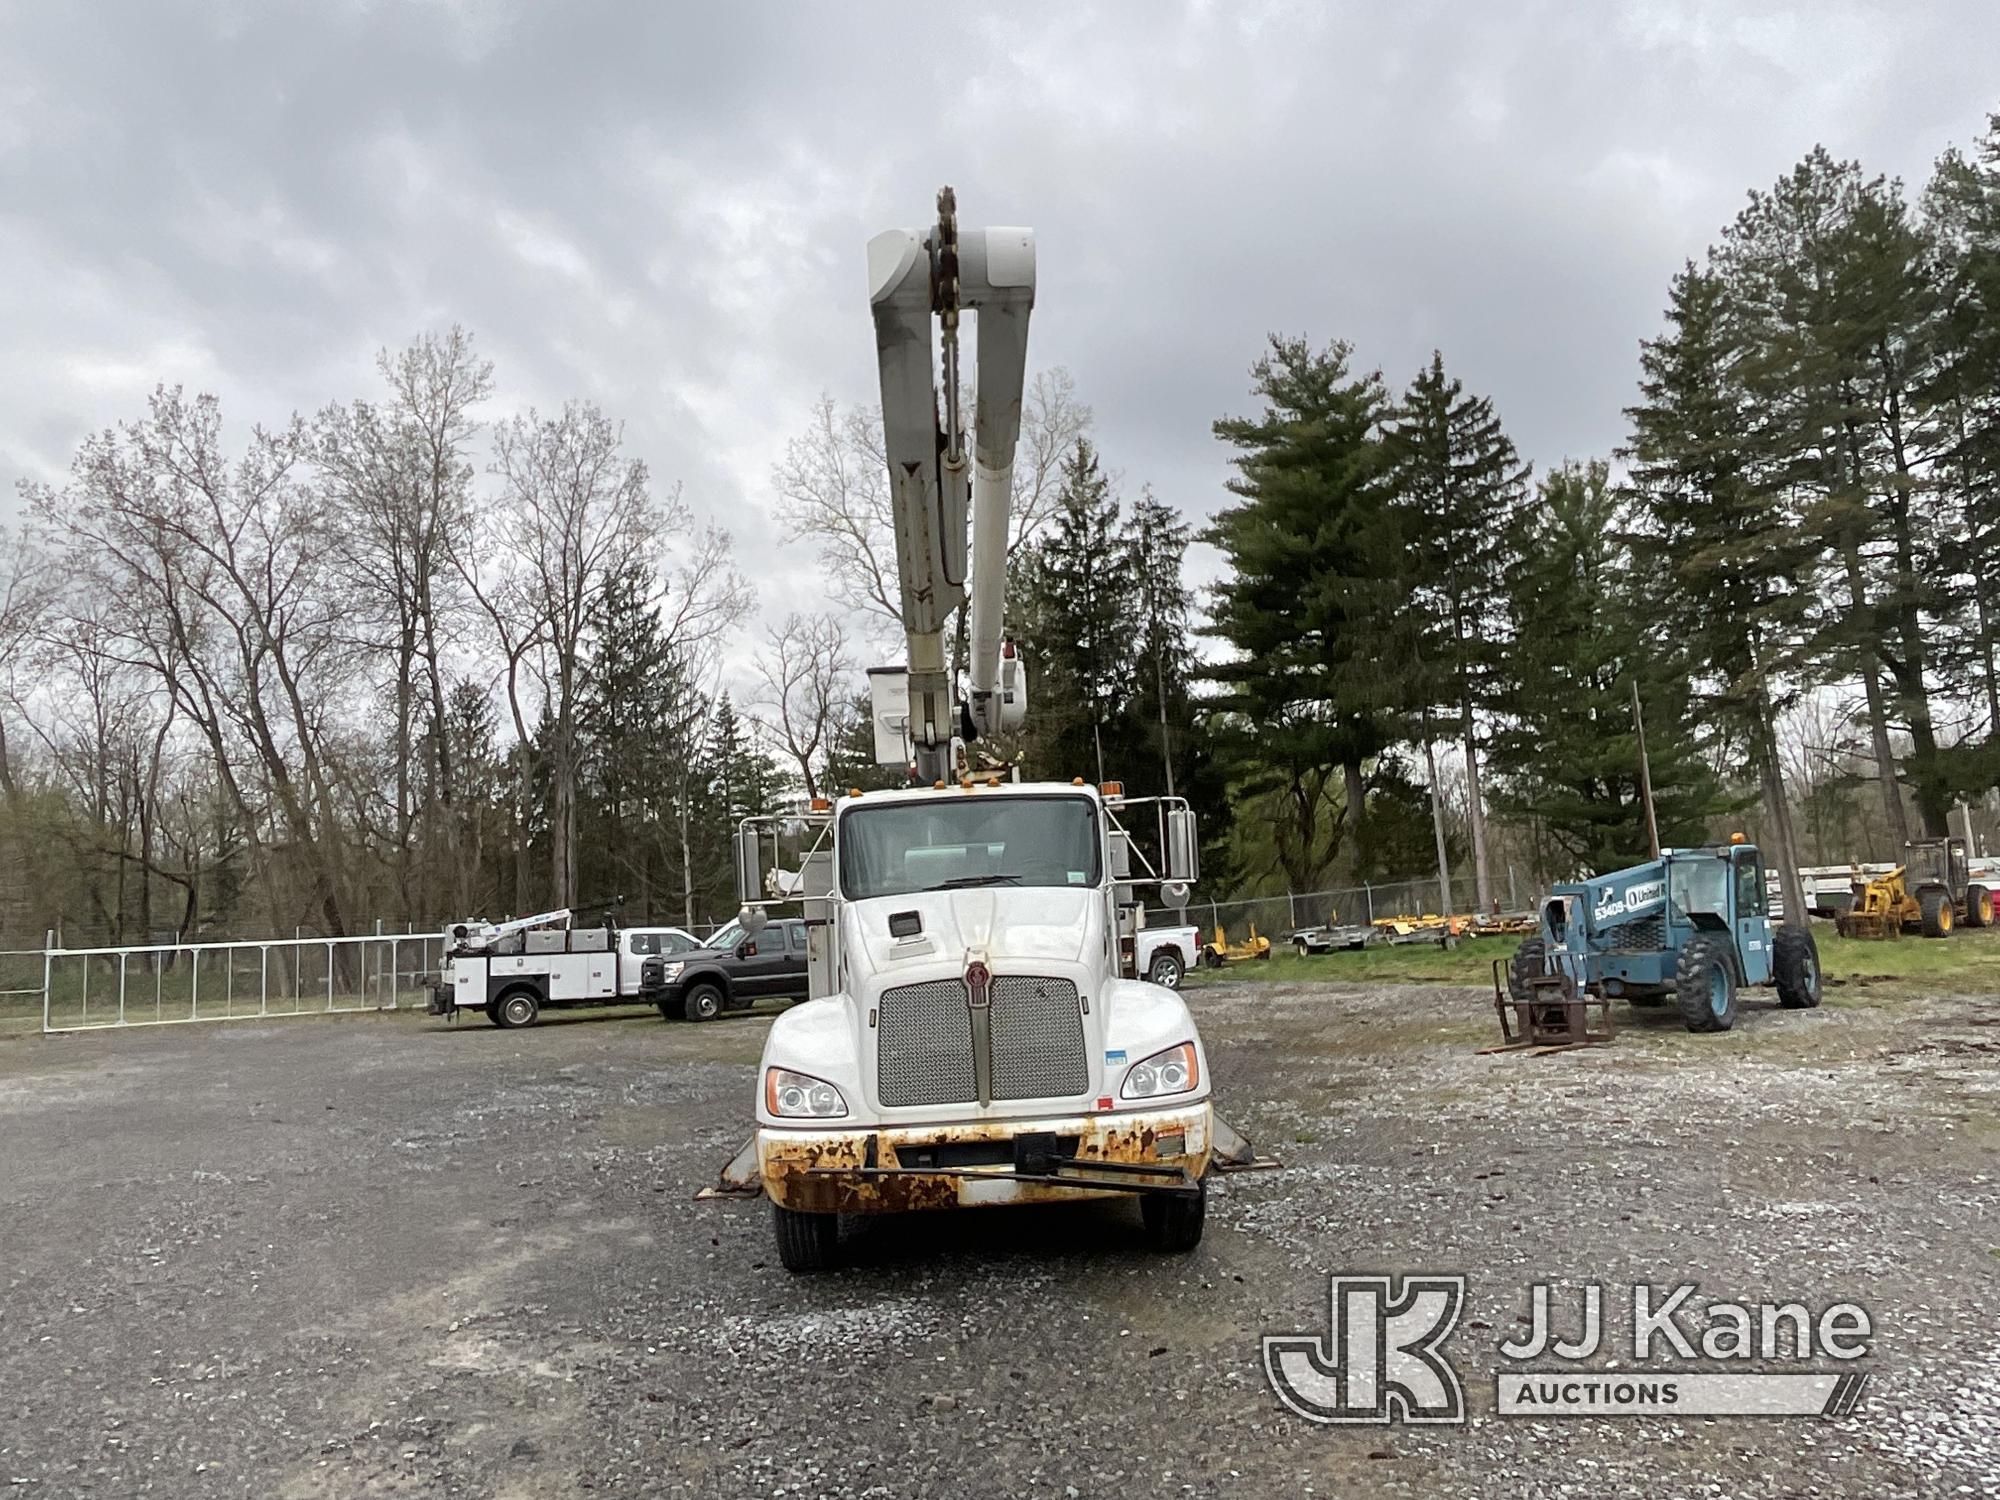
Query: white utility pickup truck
x=511 y=972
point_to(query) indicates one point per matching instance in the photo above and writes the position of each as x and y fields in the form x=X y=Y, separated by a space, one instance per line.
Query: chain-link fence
x=1274 y=916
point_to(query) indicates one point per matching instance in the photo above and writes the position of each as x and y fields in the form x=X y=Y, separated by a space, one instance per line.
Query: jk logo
x=1379 y=1360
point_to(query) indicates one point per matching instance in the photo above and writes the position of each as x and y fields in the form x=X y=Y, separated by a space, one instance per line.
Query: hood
x=1024 y=923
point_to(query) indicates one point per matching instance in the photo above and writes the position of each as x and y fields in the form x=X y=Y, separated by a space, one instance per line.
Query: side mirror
x=753 y=919
x=746 y=949
x=1176 y=893
x=1121 y=855
x=1183 y=847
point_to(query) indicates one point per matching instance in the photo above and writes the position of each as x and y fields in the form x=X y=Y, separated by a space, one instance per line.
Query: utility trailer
x=511 y=972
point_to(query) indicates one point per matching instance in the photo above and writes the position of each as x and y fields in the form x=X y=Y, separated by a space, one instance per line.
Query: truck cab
x=971 y=1039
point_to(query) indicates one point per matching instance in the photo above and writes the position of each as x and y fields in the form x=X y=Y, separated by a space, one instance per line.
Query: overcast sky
x=663 y=208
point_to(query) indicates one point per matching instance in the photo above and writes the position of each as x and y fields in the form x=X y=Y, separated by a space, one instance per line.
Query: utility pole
x=1437 y=824
x=1645 y=773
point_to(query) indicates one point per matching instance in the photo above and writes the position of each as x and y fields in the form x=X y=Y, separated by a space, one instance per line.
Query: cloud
x=664 y=208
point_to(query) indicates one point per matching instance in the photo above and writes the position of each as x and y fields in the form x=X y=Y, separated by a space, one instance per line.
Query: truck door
x=762 y=969
x=1748 y=920
x=634 y=948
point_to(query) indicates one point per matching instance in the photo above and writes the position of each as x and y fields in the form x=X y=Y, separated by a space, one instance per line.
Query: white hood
x=1025 y=923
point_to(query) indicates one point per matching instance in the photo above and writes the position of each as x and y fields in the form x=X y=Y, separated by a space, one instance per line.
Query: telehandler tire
x=1978 y=906
x=806 y=1242
x=1530 y=958
x=1705 y=985
x=1795 y=965
x=1174 y=1220
x=1938 y=916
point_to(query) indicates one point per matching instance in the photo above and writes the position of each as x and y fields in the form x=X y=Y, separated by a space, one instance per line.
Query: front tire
x=1705 y=985
x=1795 y=962
x=806 y=1242
x=1529 y=959
x=1938 y=917
x=703 y=1002
x=1174 y=1221
x=1165 y=969
x=1978 y=906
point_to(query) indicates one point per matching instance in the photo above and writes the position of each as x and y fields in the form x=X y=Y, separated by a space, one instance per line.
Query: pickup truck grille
x=925 y=1048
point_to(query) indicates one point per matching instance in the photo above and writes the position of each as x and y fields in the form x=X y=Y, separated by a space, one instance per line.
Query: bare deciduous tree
x=807 y=687
x=224 y=596
x=397 y=478
x=833 y=488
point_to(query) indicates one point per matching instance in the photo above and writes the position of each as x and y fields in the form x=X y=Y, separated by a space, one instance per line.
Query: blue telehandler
x=1690 y=928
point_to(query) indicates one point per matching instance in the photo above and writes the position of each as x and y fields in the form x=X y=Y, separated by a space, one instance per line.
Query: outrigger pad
x=1232 y=1153
x=740 y=1177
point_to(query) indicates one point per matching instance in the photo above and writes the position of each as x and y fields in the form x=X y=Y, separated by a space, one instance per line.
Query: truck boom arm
x=913 y=278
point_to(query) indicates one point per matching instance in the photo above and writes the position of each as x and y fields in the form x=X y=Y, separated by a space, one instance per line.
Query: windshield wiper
x=961 y=882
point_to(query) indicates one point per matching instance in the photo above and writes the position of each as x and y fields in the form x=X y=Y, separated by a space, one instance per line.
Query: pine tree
x=1825 y=276
x=1078 y=594
x=625 y=709
x=1309 y=606
x=1156 y=540
x=1458 y=484
x=1960 y=403
x=1719 y=550
x=1565 y=755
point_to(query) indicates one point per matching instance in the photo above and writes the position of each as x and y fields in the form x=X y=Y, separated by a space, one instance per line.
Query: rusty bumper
x=884 y=1170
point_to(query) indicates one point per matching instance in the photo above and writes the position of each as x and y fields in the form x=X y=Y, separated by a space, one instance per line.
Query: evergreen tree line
x=1808 y=502
x=398 y=659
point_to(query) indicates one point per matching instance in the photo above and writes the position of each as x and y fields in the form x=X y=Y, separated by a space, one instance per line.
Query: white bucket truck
x=973 y=1036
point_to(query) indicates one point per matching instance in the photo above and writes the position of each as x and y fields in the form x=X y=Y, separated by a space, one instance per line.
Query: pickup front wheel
x=703 y=1002
x=1165 y=969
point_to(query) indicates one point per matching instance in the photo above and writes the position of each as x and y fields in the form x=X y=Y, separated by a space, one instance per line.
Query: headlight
x=670 y=972
x=1173 y=1071
x=798 y=1096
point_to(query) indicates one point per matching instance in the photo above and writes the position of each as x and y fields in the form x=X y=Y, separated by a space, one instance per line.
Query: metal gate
x=154 y=984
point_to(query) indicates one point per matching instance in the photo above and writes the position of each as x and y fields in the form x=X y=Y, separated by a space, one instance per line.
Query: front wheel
x=1705 y=985
x=1174 y=1220
x=806 y=1242
x=1165 y=969
x=1531 y=958
x=1935 y=904
x=703 y=1002
x=1795 y=961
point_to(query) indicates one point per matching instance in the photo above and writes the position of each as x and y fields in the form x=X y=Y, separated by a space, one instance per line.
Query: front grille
x=924 y=1046
x=1646 y=935
x=923 y=1051
x=1038 y=1048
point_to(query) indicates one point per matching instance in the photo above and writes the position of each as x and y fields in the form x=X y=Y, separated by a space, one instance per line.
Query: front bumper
x=858 y=1170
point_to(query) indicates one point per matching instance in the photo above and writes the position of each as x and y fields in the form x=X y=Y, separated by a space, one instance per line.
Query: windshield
x=897 y=848
x=728 y=937
x=1698 y=885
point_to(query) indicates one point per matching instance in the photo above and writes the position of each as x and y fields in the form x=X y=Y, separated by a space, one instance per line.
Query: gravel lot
x=381 y=1256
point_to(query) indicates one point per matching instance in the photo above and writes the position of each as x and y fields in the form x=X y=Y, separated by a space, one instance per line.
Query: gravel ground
x=380 y=1256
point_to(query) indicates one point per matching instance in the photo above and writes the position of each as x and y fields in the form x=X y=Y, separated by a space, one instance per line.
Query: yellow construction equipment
x=1222 y=951
x=1883 y=906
